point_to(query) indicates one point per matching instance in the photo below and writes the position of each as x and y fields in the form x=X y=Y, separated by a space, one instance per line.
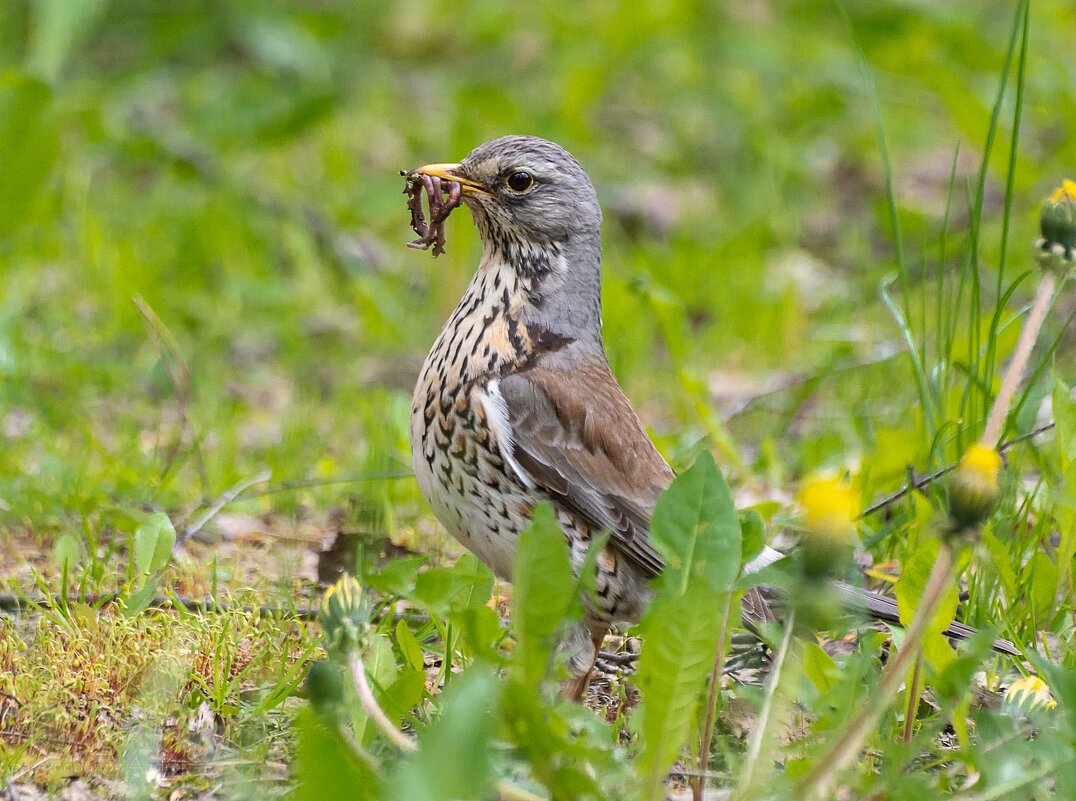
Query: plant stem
x=698 y=783
x=370 y=705
x=819 y=781
x=1030 y=333
x=765 y=715
x=913 y=700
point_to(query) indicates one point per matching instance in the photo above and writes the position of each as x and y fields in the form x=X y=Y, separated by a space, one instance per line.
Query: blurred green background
x=235 y=166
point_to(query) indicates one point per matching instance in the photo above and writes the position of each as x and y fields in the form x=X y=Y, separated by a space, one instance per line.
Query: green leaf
x=153 y=544
x=1064 y=408
x=67 y=551
x=909 y=591
x=679 y=645
x=400 y=697
x=999 y=557
x=1042 y=588
x=545 y=595
x=697 y=530
x=397 y=576
x=753 y=533
x=58 y=26
x=480 y=631
x=548 y=736
x=819 y=667
x=29 y=144
x=466 y=584
x=454 y=755
x=139 y=600
x=408 y=645
x=327 y=767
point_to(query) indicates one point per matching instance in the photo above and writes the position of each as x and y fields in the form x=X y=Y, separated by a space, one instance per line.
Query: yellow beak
x=447 y=172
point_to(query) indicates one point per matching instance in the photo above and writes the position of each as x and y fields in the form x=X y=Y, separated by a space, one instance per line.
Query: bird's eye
x=519 y=181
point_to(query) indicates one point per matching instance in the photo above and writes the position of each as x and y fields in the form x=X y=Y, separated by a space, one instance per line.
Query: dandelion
x=973 y=489
x=344 y=612
x=1028 y=693
x=829 y=509
x=828 y=514
x=1058 y=223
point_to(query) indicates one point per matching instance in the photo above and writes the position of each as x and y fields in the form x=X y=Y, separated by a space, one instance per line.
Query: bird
x=516 y=403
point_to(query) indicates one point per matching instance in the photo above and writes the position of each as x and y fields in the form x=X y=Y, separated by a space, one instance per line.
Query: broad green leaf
x=679 y=646
x=697 y=530
x=909 y=591
x=544 y=595
x=67 y=550
x=548 y=736
x=819 y=667
x=999 y=557
x=327 y=767
x=753 y=533
x=454 y=756
x=466 y=584
x=58 y=25
x=139 y=600
x=29 y=144
x=400 y=697
x=153 y=543
x=480 y=631
x=1042 y=588
x=1064 y=409
x=397 y=576
x=409 y=646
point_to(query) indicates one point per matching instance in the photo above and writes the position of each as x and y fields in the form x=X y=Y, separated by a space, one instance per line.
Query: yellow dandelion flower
x=982 y=462
x=829 y=508
x=1030 y=692
x=1067 y=191
x=973 y=489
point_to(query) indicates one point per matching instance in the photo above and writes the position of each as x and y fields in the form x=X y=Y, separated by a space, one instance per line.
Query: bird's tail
x=879 y=607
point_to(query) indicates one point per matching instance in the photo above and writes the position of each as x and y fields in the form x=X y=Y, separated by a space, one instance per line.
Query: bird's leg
x=574 y=689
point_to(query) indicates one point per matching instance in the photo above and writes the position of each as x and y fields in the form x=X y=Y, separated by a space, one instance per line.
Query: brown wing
x=580 y=440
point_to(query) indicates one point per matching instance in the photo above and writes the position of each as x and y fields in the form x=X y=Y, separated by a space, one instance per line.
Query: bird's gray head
x=536 y=210
x=529 y=189
x=537 y=214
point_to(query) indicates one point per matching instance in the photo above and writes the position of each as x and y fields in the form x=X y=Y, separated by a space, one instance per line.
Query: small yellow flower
x=829 y=509
x=973 y=489
x=982 y=462
x=1067 y=191
x=1030 y=692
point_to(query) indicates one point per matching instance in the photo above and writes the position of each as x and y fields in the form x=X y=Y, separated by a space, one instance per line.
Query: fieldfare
x=516 y=403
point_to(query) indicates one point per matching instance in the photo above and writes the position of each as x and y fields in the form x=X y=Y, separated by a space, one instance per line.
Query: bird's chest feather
x=456 y=450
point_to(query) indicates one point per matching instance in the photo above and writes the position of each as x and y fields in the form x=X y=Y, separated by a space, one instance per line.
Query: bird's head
x=529 y=197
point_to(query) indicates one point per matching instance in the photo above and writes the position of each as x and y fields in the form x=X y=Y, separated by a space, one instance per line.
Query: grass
x=204 y=279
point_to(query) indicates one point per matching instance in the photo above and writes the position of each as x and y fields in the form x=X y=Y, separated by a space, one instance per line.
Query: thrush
x=516 y=403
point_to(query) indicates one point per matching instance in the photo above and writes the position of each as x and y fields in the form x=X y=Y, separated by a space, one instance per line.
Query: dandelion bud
x=973 y=489
x=1058 y=224
x=828 y=514
x=1028 y=693
x=344 y=613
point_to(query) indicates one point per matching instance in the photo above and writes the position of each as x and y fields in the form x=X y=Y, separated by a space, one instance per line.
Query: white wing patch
x=497 y=416
x=766 y=558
